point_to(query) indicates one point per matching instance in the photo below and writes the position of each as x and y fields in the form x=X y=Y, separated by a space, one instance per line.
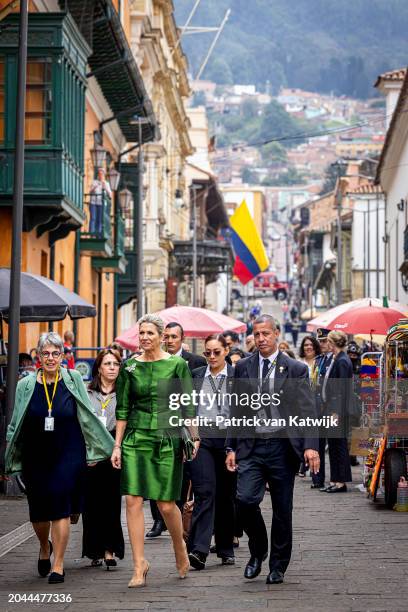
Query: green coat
x=98 y=441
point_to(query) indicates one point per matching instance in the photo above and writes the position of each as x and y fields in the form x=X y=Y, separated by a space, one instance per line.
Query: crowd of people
x=79 y=448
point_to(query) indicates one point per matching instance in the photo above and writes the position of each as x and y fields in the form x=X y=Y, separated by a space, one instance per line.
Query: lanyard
x=215 y=389
x=49 y=402
x=269 y=372
x=106 y=403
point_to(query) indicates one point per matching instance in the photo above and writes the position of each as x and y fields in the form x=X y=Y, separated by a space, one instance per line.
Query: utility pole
x=18 y=204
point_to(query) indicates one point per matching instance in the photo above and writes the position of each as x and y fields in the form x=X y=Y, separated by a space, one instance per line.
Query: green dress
x=152 y=455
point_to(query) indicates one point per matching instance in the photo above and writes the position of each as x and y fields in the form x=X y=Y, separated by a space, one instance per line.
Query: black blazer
x=339 y=389
x=193 y=361
x=296 y=398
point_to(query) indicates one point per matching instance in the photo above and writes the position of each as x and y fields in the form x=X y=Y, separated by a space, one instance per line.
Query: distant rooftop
x=392 y=75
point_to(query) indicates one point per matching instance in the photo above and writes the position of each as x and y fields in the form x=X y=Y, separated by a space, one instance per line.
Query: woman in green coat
x=52 y=436
x=148 y=447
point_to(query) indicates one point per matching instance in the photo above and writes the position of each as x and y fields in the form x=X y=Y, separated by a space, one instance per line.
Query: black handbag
x=187 y=444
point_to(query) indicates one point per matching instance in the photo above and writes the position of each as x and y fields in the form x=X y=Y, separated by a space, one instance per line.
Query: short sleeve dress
x=152 y=456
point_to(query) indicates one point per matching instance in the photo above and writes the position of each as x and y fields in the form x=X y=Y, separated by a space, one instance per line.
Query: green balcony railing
x=96 y=234
x=119 y=235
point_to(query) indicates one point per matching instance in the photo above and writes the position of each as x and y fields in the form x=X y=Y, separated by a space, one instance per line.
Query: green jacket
x=98 y=441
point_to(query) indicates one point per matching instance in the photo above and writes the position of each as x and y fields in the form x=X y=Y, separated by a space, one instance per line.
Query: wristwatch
x=229 y=450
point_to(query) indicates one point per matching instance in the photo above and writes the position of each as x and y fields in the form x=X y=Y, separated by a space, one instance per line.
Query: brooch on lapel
x=281 y=368
x=131 y=368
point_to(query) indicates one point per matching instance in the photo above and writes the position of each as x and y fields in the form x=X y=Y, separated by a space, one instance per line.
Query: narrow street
x=348 y=555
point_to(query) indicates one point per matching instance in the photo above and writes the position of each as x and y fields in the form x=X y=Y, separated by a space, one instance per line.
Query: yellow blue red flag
x=250 y=254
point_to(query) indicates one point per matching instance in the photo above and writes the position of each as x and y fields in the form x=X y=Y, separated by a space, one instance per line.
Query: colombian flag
x=250 y=254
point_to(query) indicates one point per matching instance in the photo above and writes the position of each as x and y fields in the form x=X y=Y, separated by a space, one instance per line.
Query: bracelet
x=117 y=446
x=196 y=439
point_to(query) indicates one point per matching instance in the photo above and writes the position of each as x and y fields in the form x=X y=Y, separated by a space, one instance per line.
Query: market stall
x=387 y=452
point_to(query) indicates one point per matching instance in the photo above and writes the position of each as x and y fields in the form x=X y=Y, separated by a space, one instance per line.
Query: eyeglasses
x=216 y=352
x=54 y=354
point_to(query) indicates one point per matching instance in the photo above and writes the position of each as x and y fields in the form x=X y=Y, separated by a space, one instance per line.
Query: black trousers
x=340 y=470
x=319 y=478
x=213 y=488
x=271 y=461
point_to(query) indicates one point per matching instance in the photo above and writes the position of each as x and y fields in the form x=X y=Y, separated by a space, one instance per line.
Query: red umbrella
x=326 y=319
x=366 y=320
x=196 y=322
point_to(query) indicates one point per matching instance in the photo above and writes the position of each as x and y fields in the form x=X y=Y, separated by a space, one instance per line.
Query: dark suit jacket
x=291 y=382
x=193 y=361
x=339 y=389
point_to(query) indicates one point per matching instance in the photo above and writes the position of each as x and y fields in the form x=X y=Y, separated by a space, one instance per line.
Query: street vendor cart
x=387 y=458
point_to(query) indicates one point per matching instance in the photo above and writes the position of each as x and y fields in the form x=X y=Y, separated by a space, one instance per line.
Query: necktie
x=265 y=370
x=265 y=367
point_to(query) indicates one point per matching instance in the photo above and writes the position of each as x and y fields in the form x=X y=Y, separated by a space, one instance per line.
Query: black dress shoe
x=213 y=549
x=253 y=567
x=44 y=565
x=197 y=560
x=335 y=489
x=158 y=527
x=56 y=578
x=275 y=577
x=227 y=560
x=317 y=486
x=326 y=489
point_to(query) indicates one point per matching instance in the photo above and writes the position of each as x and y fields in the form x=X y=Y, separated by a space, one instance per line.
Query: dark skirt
x=102 y=529
x=54 y=462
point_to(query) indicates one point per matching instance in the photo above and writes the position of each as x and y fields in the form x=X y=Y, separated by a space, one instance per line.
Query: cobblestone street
x=348 y=555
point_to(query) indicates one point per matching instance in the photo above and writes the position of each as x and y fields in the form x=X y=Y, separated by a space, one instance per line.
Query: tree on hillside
x=277 y=123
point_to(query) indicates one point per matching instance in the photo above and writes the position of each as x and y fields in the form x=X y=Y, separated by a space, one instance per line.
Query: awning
x=113 y=65
x=42 y=299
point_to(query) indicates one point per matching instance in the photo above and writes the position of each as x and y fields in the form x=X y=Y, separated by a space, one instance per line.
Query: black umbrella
x=43 y=299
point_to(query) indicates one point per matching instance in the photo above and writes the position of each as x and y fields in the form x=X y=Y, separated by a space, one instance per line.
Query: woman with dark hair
x=337 y=396
x=235 y=355
x=213 y=485
x=309 y=349
x=102 y=530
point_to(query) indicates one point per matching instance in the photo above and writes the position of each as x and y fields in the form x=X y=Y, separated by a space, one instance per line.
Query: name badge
x=103 y=420
x=49 y=424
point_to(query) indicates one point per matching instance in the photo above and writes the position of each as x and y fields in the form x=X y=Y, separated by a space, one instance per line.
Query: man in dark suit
x=173 y=339
x=270 y=454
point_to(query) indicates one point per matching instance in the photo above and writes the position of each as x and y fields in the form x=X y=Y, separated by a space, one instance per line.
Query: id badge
x=49 y=424
x=103 y=420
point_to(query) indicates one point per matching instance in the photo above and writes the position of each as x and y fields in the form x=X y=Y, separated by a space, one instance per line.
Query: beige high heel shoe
x=183 y=566
x=137 y=582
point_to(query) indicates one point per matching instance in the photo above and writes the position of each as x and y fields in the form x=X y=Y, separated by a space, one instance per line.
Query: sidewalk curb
x=15 y=538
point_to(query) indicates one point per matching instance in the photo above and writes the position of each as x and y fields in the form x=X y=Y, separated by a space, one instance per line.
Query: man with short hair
x=231 y=338
x=173 y=339
x=269 y=454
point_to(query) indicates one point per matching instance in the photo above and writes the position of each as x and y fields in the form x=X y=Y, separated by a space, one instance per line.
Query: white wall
x=367 y=246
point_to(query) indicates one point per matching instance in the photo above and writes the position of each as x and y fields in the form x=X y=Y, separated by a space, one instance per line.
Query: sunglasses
x=216 y=352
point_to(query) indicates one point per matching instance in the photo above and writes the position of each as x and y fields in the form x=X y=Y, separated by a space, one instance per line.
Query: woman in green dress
x=147 y=449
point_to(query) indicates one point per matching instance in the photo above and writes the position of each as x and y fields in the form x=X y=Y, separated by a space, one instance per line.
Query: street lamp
x=114 y=178
x=98 y=156
x=125 y=199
